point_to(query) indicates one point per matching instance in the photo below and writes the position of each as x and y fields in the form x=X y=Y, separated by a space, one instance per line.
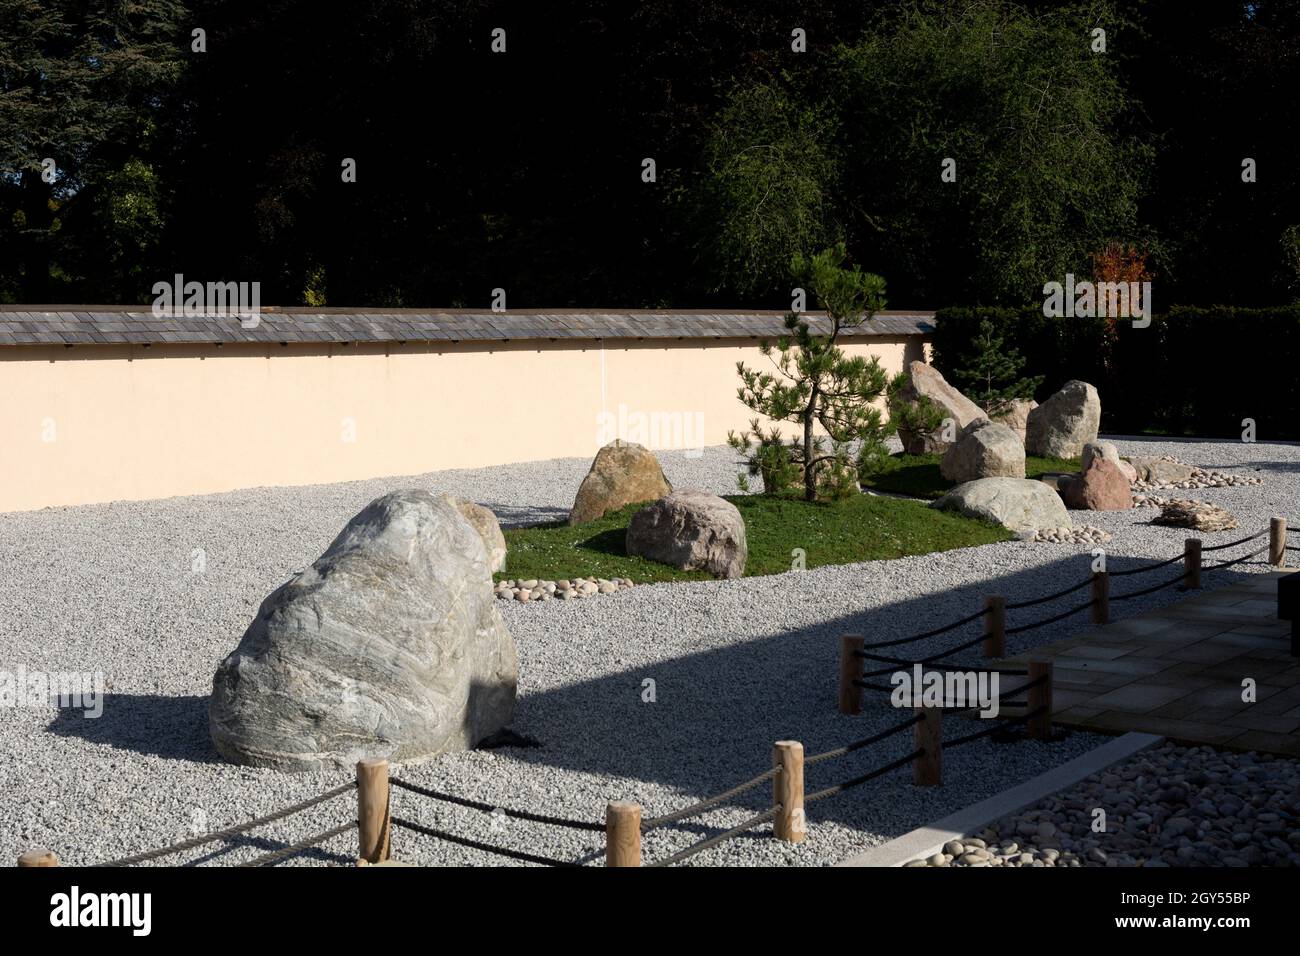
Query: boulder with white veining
x=389 y=646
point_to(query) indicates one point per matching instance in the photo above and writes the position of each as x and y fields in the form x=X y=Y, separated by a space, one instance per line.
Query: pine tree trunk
x=809 y=475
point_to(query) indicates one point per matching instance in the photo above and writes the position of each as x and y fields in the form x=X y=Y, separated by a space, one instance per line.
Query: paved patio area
x=1178 y=671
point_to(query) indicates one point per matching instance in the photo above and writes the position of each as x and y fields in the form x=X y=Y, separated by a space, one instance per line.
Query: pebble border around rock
x=1201 y=478
x=1077 y=534
x=571 y=589
x=1170 y=806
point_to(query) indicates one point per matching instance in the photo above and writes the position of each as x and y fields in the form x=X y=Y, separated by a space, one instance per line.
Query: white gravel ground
x=736 y=665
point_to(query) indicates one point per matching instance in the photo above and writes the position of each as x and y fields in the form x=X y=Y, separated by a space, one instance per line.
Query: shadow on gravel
x=224 y=853
x=172 y=727
x=515 y=516
x=716 y=713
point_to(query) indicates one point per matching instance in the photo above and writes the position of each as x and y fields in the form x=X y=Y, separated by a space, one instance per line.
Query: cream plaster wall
x=108 y=423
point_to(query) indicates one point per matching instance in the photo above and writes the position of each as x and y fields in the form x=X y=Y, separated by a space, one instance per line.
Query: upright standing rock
x=623 y=473
x=1062 y=425
x=926 y=381
x=389 y=646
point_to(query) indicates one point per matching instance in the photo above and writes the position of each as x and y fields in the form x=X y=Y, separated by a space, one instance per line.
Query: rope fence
x=293 y=849
x=237 y=830
x=854 y=650
x=491 y=808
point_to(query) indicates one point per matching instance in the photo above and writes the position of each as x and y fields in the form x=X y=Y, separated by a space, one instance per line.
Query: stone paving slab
x=1178 y=671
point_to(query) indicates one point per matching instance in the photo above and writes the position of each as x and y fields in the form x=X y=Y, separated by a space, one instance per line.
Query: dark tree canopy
x=523 y=170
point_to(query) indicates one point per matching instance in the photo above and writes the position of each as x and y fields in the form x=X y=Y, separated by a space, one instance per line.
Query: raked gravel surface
x=735 y=665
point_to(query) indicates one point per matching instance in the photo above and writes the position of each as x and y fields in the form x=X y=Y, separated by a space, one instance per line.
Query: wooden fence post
x=995 y=625
x=372 y=810
x=1192 y=564
x=1040 y=727
x=927 y=768
x=787 y=791
x=38 y=857
x=1277 y=542
x=850 y=671
x=1100 y=609
x=622 y=833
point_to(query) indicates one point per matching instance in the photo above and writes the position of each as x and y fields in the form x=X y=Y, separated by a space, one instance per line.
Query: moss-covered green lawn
x=862 y=528
x=918 y=475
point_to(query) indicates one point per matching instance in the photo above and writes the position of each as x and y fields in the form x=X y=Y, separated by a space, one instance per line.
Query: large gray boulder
x=623 y=473
x=1062 y=425
x=390 y=645
x=693 y=531
x=926 y=381
x=1018 y=504
x=985 y=450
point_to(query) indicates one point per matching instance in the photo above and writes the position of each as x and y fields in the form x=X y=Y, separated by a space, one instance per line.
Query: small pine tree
x=815 y=383
x=992 y=379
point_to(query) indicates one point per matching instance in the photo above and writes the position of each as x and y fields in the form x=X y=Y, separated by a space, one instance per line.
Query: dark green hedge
x=1193 y=371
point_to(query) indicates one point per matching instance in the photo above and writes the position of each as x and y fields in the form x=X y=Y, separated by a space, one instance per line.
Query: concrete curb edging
x=928 y=840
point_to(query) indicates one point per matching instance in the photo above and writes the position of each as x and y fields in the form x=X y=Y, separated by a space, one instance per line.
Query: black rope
x=1016 y=691
x=938 y=664
x=1002 y=698
x=271 y=859
x=882 y=672
x=1049 y=597
x=962 y=647
x=715 y=840
x=934 y=633
x=858 y=781
x=1228 y=564
x=1150 y=590
x=695 y=809
x=231 y=831
x=948 y=744
x=488 y=808
x=880 y=687
x=1145 y=567
x=476 y=845
x=1051 y=620
x=864 y=742
x=1233 y=544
